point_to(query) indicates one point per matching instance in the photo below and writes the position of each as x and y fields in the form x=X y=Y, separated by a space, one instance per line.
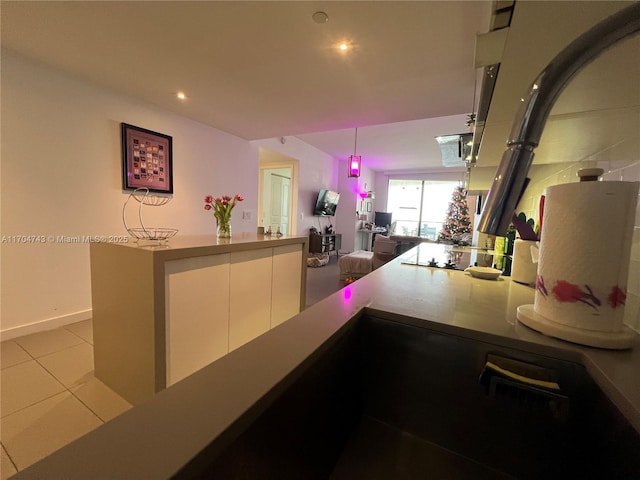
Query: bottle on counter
x=504 y=251
x=509 y=242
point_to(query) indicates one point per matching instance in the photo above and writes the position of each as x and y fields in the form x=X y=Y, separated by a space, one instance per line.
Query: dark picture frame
x=147 y=159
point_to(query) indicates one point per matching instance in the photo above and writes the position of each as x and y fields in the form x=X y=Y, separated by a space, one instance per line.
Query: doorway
x=276 y=199
x=278 y=192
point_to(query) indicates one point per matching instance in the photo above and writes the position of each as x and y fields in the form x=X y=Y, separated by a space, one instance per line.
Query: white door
x=280 y=203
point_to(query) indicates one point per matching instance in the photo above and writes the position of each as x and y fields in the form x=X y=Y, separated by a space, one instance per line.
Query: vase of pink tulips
x=222 y=207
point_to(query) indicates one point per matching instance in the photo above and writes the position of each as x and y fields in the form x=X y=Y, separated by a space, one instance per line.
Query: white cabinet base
x=250 y=296
x=197 y=313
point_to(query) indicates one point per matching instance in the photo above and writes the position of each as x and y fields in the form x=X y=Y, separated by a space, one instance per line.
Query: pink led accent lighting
x=346 y=293
x=354 y=165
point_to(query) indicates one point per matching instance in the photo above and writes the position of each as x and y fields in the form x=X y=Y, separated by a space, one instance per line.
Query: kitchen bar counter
x=212 y=407
x=456 y=303
x=161 y=312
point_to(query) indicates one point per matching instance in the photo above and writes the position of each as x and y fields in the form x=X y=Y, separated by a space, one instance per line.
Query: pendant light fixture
x=355 y=161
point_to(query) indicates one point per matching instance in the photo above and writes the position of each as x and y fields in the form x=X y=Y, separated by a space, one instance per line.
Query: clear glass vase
x=223 y=229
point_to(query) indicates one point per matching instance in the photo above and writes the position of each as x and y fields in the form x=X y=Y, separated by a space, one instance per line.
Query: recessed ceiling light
x=181 y=95
x=344 y=46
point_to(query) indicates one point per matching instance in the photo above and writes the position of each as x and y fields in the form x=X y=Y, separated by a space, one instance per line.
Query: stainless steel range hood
x=597 y=118
x=488 y=55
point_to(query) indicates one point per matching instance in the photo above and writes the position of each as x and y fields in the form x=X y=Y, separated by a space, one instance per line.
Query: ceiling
x=265 y=69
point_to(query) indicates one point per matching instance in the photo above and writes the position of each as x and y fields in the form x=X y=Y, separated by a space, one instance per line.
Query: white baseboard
x=43 y=325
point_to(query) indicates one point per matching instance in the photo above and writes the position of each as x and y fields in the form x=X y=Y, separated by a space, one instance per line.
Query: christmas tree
x=457 y=222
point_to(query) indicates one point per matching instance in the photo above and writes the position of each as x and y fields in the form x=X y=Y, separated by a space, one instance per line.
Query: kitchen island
x=202 y=418
x=162 y=311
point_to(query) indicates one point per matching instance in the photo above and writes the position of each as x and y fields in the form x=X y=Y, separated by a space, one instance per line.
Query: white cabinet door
x=250 y=295
x=285 y=290
x=197 y=313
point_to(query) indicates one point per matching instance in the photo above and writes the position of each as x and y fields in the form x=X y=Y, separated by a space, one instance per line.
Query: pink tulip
x=222 y=206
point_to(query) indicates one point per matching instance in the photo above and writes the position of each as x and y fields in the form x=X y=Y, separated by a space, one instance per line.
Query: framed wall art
x=147 y=159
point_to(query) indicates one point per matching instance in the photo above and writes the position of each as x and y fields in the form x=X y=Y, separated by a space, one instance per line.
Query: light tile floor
x=49 y=395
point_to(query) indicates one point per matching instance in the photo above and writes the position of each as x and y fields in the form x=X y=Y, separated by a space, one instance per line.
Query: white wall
x=317 y=170
x=347 y=222
x=61 y=162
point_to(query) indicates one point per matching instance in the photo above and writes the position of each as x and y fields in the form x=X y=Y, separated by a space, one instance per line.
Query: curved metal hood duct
x=534 y=110
x=597 y=117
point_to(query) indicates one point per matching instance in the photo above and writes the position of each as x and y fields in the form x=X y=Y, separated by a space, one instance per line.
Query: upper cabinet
x=597 y=117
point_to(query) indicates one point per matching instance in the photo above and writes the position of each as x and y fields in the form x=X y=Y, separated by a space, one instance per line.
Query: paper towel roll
x=584 y=254
x=523 y=270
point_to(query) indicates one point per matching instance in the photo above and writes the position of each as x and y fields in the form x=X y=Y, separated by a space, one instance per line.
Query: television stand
x=325 y=243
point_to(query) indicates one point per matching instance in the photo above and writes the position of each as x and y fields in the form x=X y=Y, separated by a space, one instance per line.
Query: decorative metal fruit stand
x=147 y=235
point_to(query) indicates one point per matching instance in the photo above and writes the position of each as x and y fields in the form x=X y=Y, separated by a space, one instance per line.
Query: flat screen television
x=382 y=219
x=326 y=203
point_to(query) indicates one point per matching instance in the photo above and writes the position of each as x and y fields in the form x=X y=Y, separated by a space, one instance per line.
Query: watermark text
x=31 y=239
